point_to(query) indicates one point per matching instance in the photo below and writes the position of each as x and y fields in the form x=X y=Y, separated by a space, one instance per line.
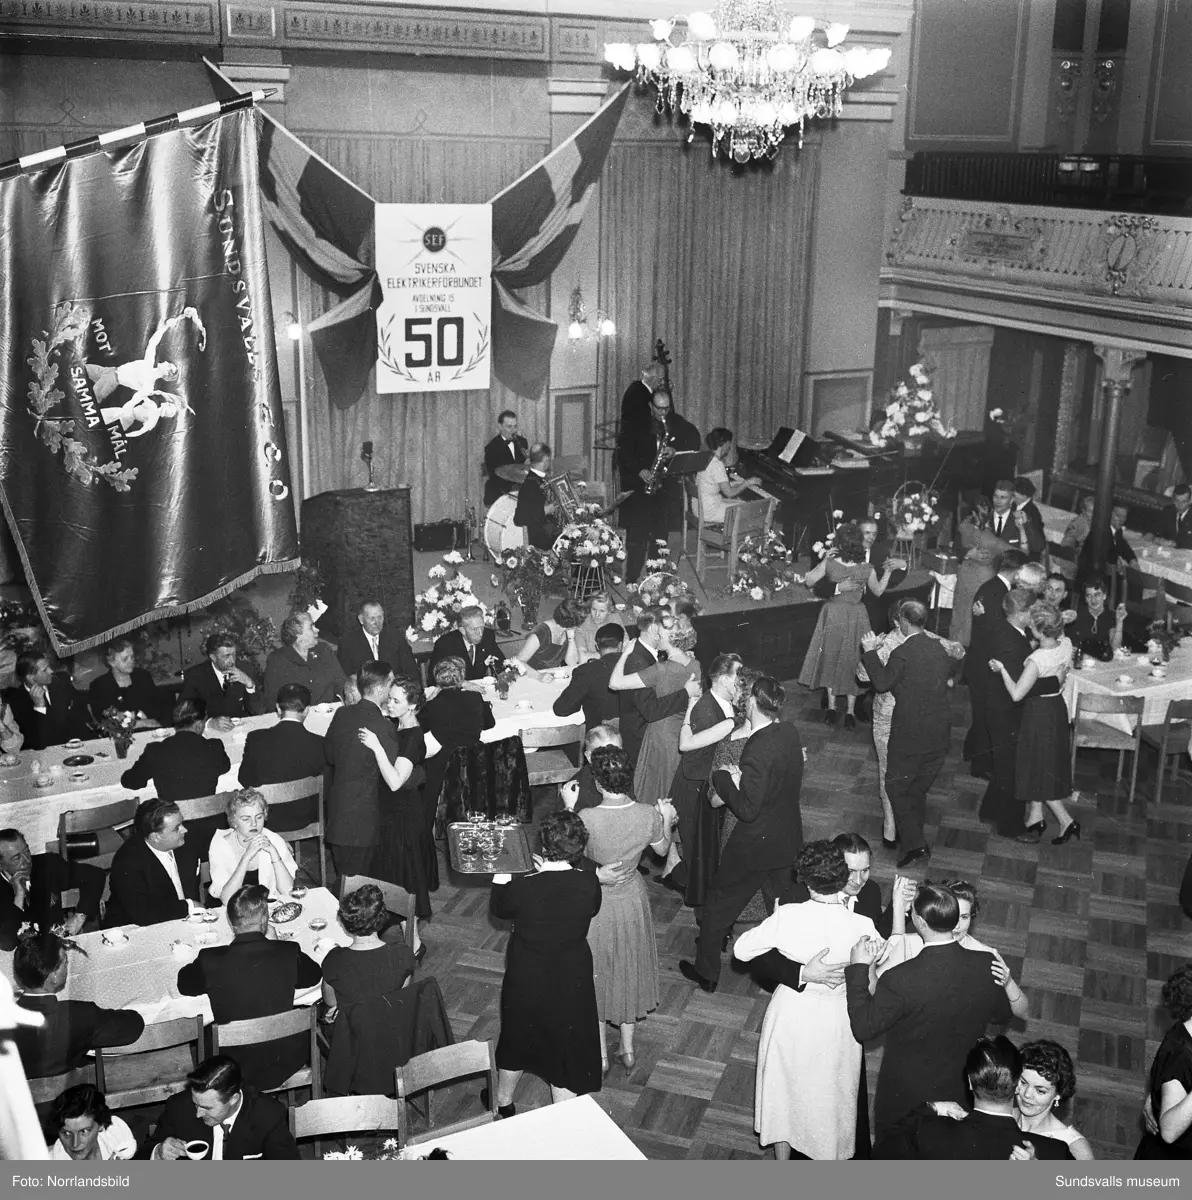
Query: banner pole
x=131 y=134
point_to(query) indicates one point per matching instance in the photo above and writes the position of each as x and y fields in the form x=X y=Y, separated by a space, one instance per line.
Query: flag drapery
x=142 y=454
x=327 y=223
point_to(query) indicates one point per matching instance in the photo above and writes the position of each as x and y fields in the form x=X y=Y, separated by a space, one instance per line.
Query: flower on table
x=756 y=593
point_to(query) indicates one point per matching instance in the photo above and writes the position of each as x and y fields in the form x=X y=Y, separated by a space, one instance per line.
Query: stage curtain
x=433 y=441
x=715 y=262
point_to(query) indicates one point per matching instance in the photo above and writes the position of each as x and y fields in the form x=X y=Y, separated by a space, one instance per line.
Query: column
x=1069 y=390
x=1117 y=367
x=959 y=359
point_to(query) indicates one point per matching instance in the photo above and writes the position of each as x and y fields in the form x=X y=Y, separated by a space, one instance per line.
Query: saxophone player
x=654 y=510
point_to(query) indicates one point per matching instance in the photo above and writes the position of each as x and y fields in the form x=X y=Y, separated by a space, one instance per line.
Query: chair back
x=94 y=820
x=1179 y=712
x=746 y=517
x=204 y=806
x=441 y=1066
x=146 y=1072
x=256 y=1031
x=397 y=899
x=345 y=1114
x=45 y=1089
x=278 y=794
x=1096 y=702
x=554 y=735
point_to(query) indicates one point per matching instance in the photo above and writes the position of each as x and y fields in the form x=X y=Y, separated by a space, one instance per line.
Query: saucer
x=79 y=777
x=43 y=781
x=114 y=937
x=73 y=744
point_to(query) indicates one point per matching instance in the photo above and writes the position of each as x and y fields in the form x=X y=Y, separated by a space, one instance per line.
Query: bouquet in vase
x=763 y=566
x=911 y=413
x=589 y=541
x=914 y=513
x=660 y=582
x=118 y=724
x=504 y=671
x=524 y=574
x=437 y=609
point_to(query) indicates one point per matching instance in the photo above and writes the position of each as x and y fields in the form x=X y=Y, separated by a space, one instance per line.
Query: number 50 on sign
x=435 y=266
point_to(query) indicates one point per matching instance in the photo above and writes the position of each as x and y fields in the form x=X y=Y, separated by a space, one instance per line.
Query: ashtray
x=78 y=760
x=284 y=913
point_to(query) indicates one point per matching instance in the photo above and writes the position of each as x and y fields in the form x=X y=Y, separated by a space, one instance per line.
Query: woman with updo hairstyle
x=356 y=981
x=124 y=685
x=835 y=650
x=452 y=716
x=549 y=1022
x=808 y=1062
x=247 y=852
x=1047 y=1083
x=405 y=841
x=81 y=1128
x=1168 y=1109
x=552 y=644
x=1044 y=771
x=621 y=936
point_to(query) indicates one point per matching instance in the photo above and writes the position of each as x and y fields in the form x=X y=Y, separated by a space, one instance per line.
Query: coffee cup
x=197 y=1149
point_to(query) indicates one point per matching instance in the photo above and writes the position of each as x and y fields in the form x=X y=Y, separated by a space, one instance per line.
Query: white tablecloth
x=142 y=973
x=1102 y=678
x=572 y=1130
x=35 y=811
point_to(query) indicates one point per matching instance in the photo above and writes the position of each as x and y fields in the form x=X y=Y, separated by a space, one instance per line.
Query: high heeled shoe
x=1039 y=827
x=628 y=1060
x=1072 y=830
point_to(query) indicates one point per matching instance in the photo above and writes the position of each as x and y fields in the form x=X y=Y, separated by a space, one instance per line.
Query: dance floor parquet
x=1090 y=929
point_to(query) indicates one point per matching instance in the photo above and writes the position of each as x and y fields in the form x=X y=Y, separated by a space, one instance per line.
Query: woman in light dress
x=1048 y=1082
x=808 y=1061
x=621 y=935
x=247 y=852
x=983 y=550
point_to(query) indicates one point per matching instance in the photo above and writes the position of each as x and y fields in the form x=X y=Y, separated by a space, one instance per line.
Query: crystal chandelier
x=749 y=72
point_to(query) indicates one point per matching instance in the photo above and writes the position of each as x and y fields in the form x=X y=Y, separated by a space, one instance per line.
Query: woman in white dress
x=808 y=1061
x=247 y=852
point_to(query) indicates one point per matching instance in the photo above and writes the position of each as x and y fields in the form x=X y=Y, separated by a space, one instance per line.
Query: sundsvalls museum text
x=429 y=275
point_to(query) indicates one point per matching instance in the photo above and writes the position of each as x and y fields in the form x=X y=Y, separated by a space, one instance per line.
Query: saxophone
x=665 y=452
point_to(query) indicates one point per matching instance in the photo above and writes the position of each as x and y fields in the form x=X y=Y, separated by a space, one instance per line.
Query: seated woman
x=453 y=717
x=356 y=979
x=247 y=852
x=903 y=946
x=713 y=484
x=123 y=685
x=600 y=612
x=81 y=1127
x=552 y=644
x=1047 y=1082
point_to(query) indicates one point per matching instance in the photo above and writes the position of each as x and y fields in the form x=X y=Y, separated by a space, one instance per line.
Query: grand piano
x=814 y=479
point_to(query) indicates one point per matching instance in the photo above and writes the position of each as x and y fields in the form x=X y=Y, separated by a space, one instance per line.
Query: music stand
x=682 y=464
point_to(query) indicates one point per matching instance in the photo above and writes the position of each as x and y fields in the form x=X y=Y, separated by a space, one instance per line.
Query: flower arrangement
x=118 y=724
x=763 y=566
x=505 y=671
x=524 y=572
x=911 y=412
x=437 y=609
x=826 y=547
x=1161 y=641
x=389 y=1152
x=589 y=541
x=660 y=582
x=914 y=512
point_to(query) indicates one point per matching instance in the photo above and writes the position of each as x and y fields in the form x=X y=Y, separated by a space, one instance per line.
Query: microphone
x=366 y=451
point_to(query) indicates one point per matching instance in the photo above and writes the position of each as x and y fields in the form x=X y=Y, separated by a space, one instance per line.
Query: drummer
x=507 y=448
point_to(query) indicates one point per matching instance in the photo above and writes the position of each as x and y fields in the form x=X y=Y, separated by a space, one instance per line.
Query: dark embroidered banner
x=142 y=455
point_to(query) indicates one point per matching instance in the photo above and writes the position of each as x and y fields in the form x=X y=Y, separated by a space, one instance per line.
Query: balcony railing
x=1117 y=182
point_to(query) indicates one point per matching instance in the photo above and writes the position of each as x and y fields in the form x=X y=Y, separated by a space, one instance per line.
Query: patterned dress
x=835 y=648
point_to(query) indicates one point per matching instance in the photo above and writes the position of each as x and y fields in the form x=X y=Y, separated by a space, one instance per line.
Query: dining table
x=574 y=1130
x=37 y=786
x=136 y=966
x=1133 y=675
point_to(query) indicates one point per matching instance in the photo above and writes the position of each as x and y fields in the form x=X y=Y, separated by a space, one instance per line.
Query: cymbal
x=513 y=473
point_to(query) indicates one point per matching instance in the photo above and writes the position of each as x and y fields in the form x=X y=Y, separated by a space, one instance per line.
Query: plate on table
x=78 y=760
x=284 y=913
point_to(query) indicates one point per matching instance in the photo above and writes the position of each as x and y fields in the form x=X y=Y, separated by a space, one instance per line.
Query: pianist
x=713 y=484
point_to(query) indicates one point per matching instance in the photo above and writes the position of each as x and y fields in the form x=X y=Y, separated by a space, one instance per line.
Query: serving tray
x=512 y=857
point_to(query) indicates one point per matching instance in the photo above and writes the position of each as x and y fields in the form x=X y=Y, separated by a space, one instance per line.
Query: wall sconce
x=288 y=325
x=578 y=328
x=1068 y=82
x=1106 y=88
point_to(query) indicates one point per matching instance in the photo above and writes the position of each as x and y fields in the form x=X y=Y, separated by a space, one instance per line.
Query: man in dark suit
x=533 y=504
x=184 y=766
x=932 y=1008
x=763 y=794
x=990 y=1131
x=371 y=639
x=508 y=448
x=1176 y=526
x=283 y=753
x=73 y=1028
x=154 y=875
x=254 y=977
x=643 y=706
x=588 y=687
x=1008 y=645
x=1024 y=502
x=31 y=886
x=917 y=674
x=227 y=690
x=473 y=641
x=1118 y=551
x=232 y=1117
x=46 y=708
x=353 y=804
x=987 y=612
x=1013 y=525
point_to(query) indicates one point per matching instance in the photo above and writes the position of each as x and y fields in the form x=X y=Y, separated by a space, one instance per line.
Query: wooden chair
x=1170 y=739
x=741 y=518
x=1176 y=606
x=691 y=514
x=256 y=1030
x=107 y=818
x=45 y=1089
x=345 y=1114
x=204 y=806
x=1088 y=732
x=438 y=1067
x=397 y=900
x=548 y=765
x=145 y=1072
x=1131 y=579
x=277 y=794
